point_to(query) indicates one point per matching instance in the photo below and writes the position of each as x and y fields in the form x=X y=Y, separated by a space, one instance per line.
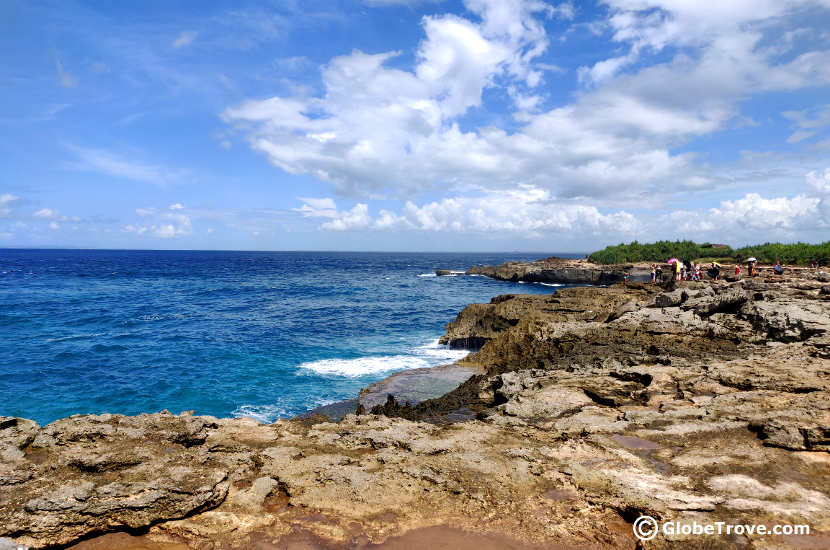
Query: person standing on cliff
x=653 y=274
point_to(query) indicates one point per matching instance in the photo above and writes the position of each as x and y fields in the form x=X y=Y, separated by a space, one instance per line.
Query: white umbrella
x=752 y=259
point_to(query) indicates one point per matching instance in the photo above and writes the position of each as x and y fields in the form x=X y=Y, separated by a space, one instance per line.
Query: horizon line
x=81 y=249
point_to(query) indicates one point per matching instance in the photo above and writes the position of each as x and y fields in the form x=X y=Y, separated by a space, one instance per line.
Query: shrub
x=791 y=254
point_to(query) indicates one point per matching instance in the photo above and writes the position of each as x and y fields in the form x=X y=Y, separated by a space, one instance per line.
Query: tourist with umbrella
x=675 y=267
x=751 y=261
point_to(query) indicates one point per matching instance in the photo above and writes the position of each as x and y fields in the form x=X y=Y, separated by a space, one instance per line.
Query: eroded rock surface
x=562 y=271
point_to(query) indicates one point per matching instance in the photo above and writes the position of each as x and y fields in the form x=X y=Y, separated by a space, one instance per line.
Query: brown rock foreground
x=593 y=406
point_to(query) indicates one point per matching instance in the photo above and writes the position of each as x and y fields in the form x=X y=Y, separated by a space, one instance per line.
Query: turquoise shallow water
x=262 y=334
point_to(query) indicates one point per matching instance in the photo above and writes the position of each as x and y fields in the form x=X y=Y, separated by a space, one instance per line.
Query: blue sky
x=413 y=125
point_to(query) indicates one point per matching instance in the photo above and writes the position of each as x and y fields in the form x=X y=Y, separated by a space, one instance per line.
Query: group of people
x=684 y=271
x=688 y=271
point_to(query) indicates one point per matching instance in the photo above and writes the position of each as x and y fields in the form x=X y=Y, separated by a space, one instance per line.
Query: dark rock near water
x=561 y=271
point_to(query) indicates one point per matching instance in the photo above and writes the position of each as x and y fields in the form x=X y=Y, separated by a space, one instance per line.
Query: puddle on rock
x=644 y=449
x=633 y=442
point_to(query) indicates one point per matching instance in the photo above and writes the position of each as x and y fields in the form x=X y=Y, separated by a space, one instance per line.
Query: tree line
x=660 y=251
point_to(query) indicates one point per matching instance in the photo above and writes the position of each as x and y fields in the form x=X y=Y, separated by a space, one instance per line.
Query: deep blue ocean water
x=261 y=334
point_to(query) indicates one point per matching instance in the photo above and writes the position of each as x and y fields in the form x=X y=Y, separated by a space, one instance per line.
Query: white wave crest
x=441 y=354
x=365 y=365
x=430 y=354
x=75 y=337
x=427 y=275
x=263 y=413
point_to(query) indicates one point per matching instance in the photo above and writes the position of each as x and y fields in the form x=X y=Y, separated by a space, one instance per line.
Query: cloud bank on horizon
x=484 y=124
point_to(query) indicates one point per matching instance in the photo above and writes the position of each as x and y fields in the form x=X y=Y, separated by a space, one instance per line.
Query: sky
x=473 y=125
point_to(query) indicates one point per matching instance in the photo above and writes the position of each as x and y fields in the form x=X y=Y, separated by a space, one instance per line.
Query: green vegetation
x=790 y=254
x=658 y=252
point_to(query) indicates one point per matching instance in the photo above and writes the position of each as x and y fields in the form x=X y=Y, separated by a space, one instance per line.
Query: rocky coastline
x=581 y=410
x=563 y=271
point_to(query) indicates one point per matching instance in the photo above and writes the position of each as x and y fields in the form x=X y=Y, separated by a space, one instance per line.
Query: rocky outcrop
x=720 y=390
x=562 y=271
x=477 y=324
x=585 y=409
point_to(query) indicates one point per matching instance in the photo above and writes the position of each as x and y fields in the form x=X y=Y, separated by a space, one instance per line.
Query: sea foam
x=263 y=413
x=427 y=355
x=362 y=366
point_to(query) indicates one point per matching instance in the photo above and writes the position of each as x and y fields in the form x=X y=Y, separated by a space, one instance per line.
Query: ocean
x=260 y=334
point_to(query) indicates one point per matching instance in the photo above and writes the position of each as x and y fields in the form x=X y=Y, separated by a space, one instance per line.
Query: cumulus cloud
x=752 y=215
x=532 y=212
x=163 y=224
x=54 y=216
x=819 y=182
x=378 y=130
x=651 y=26
x=528 y=211
x=377 y=127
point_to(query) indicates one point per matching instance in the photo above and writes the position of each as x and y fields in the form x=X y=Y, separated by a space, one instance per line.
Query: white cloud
x=111 y=164
x=163 y=224
x=317 y=208
x=527 y=212
x=651 y=26
x=138 y=230
x=755 y=213
x=184 y=39
x=178 y=226
x=382 y=131
x=377 y=126
x=356 y=218
x=45 y=214
x=6 y=202
x=385 y=3
x=532 y=212
x=53 y=216
x=820 y=182
x=67 y=80
x=807 y=125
